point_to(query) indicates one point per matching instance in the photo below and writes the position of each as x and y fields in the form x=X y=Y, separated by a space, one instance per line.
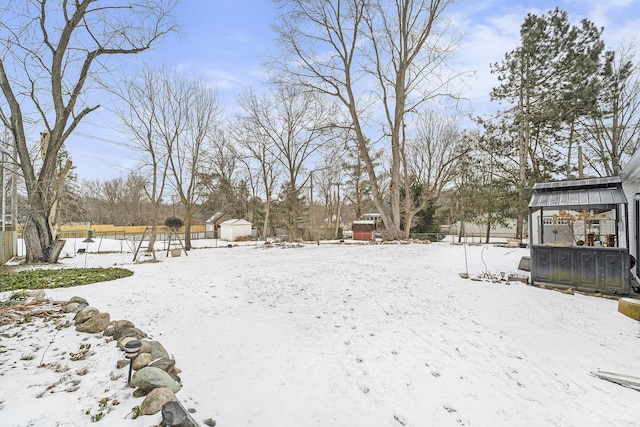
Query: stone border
x=156 y=375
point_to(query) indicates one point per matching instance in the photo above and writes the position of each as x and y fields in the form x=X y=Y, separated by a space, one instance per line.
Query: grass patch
x=59 y=278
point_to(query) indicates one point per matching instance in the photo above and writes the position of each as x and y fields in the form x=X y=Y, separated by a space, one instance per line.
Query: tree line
x=359 y=112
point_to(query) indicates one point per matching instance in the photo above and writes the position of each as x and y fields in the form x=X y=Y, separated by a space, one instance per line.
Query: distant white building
x=210 y=224
x=232 y=229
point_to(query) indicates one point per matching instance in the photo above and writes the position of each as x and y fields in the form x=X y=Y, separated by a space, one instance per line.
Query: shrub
x=173 y=223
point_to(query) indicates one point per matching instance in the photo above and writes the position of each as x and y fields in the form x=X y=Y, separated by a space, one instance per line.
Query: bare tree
x=118 y=201
x=430 y=161
x=189 y=118
x=141 y=117
x=612 y=135
x=257 y=154
x=291 y=125
x=371 y=56
x=49 y=51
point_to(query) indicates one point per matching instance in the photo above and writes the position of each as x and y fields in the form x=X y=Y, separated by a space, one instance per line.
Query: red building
x=363 y=229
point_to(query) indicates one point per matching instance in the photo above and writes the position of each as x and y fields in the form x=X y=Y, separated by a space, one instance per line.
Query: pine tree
x=550 y=80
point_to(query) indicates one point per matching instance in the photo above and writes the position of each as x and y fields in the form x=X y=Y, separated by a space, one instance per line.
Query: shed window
x=566 y=227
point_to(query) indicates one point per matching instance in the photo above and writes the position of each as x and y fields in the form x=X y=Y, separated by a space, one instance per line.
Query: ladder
x=144 y=238
x=174 y=239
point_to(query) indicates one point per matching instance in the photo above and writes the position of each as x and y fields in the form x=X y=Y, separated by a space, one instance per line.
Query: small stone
x=209 y=422
x=122 y=363
x=139 y=393
x=175 y=377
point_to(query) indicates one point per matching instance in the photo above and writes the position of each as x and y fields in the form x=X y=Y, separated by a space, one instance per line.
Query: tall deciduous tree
x=141 y=117
x=430 y=161
x=550 y=80
x=371 y=56
x=257 y=150
x=612 y=135
x=49 y=51
x=187 y=121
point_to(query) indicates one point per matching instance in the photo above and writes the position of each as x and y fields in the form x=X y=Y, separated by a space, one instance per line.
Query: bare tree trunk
x=187 y=229
x=37 y=237
x=58 y=191
x=488 y=233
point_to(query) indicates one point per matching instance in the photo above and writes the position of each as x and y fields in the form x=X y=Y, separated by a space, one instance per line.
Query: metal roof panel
x=593 y=197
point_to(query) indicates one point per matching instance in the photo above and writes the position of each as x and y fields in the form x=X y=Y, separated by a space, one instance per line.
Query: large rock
x=119 y=333
x=141 y=361
x=156 y=349
x=149 y=378
x=72 y=307
x=152 y=404
x=97 y=323
x=79 y=300
x=123 y=324
x=174 y=415
x=37 y=294
x=85 y=314
x=163 y=363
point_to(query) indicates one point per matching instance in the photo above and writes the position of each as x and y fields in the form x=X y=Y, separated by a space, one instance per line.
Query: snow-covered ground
x=331 y=335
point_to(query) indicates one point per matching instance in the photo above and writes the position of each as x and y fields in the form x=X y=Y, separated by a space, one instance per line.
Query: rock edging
x=156 y=375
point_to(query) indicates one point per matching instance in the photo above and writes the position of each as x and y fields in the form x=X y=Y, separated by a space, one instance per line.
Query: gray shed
x=578 y=235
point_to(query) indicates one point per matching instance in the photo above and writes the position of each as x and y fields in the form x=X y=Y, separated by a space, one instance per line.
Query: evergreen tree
x=550 y=80
x=290 y=209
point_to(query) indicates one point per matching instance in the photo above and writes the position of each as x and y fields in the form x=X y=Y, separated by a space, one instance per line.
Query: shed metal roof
x=592 y=193
x=575 y=184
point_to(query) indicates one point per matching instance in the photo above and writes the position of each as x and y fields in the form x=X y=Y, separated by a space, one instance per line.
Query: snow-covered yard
x=334 y=335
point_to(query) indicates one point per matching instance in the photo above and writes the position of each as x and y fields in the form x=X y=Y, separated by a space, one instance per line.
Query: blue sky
x=225 y=42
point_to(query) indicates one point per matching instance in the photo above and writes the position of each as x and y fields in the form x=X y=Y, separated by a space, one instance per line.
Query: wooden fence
x=110 y=231
x=8 y=245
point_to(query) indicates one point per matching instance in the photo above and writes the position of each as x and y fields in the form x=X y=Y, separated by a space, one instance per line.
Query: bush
x=173 y=223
